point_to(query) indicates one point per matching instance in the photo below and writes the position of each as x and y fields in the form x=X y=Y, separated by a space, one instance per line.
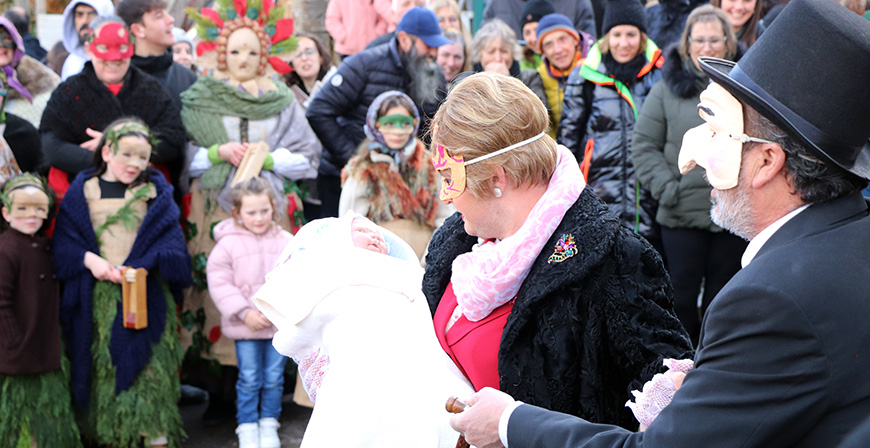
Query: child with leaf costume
x=122 y=214
x=243 y=45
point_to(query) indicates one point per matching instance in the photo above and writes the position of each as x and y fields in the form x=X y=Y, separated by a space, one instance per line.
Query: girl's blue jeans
x=261 y=380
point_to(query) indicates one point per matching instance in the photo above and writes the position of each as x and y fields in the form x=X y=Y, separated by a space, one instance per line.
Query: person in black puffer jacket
x=603 y=98
x=338 y=112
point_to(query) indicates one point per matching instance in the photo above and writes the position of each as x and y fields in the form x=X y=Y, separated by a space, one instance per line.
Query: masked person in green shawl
x=237 y=106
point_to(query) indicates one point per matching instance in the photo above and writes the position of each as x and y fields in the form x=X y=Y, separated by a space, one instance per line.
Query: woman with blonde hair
x=535 y=287
x=696 y=249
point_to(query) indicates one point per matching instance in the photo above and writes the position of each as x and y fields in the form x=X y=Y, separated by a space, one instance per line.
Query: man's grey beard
x=426 y=77
x=732 y=210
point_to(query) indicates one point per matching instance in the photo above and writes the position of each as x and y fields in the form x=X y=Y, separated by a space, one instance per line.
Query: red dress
x=473 y=346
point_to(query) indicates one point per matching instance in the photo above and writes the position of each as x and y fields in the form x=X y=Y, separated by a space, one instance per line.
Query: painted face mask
x=28 y=200
x=133 y=153
x=113 y=42
x=716 y=145
x=452 y=168
x=396 y=124
x=5 y=39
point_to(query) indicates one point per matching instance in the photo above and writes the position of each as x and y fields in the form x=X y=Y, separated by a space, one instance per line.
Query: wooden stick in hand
x=455 y=406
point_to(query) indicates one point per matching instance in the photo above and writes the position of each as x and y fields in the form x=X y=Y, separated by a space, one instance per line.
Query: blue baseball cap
x=423 y=23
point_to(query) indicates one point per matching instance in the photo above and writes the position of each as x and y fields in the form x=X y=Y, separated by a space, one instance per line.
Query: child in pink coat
x=247 y=247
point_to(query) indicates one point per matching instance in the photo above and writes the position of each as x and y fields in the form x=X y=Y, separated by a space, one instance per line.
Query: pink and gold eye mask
x=452 y=168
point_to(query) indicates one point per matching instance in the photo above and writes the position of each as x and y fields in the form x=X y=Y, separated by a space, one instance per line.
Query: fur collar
x=36 y=77
x=681 y=81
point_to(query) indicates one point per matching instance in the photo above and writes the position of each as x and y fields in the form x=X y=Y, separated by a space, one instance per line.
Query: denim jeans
x=261 y=380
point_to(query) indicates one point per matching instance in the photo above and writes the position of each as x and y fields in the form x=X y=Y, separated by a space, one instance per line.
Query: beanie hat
x=534 y=10
x=623 y=12
x=555 y=22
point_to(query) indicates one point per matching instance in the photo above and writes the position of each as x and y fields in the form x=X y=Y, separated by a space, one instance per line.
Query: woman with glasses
x=697 y=251
x=312 y=63
x=603 y=98
x=391 y=180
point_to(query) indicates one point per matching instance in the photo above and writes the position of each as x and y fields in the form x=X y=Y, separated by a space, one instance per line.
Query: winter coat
x=583 y=332
x=666 y=20
x=237 y=268
x=29 y=305
x=594 y=110
x=668 y=112
x=40 y=81
x=352 y=24
x=338 y=112
x=75 y=62
x=174 y=77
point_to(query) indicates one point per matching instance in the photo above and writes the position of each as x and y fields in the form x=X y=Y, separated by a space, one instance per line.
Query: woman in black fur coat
x=696 y=250
x=535 y=287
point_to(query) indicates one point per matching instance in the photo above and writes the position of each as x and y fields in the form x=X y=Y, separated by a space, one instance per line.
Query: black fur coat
x=583 y=332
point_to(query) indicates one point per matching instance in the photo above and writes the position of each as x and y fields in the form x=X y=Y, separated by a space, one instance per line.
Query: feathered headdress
x=214 y=28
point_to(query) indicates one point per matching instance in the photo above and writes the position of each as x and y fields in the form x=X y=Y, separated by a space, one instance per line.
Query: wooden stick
x=455 y=406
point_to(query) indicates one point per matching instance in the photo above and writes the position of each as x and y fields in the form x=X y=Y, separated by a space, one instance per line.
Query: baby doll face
x=255 y=212
x=396 y=125
x=125 y=163
x=29 y=208
x=367 y=237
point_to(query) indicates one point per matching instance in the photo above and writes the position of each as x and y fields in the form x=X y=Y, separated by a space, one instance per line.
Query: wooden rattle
x=455 y=406
x=135 y=298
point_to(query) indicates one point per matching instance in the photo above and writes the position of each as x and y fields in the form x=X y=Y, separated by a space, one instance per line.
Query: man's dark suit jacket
x=784 y=357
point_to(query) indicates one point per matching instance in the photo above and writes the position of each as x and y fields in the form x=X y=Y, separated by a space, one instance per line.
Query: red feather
x=213 y=15
x=279 y=65
x=267 y=5
x=241 y=7
x=204 y=47
x=283 y=30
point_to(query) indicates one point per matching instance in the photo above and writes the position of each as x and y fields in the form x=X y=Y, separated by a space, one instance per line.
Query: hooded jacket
x=237 y=268
x=37 y=79
x=602 y=110
x=77 y=57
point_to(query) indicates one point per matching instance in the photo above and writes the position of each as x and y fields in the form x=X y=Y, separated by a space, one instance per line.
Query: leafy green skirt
x=37 y=408
x=149 y=408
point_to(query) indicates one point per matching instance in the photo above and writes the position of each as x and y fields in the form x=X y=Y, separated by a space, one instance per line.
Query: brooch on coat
x=565 y=249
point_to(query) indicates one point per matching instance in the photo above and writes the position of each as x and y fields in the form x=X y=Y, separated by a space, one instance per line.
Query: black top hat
x=808 y=74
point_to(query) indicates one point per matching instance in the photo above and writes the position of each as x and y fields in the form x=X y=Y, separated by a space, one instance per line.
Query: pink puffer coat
x=236 y=269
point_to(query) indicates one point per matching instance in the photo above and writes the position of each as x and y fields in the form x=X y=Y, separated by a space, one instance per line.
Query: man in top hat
x=784 y=352
x=337 y=113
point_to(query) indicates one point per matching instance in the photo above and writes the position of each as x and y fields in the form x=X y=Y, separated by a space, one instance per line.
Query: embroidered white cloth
x=491 y=274
x=386 y=379
x=657 y=392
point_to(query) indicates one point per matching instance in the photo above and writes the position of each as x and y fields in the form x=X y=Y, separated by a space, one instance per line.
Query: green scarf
x=208 y=99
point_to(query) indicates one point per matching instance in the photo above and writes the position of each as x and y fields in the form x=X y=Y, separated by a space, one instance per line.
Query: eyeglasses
x=309 y=53
x=713 y=41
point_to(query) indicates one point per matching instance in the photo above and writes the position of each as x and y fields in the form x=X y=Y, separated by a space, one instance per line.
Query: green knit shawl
x=208 y=99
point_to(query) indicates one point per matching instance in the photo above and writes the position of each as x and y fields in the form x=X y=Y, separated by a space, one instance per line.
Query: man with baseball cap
x=562 y=48
x=784 y=351
x=337 y=113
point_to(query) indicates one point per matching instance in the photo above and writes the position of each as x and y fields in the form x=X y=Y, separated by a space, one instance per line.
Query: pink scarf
x=492 y=273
